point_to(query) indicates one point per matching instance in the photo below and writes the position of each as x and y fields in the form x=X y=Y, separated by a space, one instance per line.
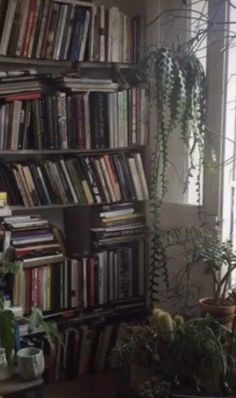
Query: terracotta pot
x=138 y=375
x=223 y=313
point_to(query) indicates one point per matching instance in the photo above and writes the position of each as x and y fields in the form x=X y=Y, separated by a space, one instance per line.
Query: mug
x=30 y=362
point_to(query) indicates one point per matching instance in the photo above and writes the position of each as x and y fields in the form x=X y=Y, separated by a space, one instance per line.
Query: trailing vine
x=177 y=91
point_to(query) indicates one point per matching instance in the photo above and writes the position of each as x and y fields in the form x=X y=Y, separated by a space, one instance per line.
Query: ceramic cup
x=30 y=362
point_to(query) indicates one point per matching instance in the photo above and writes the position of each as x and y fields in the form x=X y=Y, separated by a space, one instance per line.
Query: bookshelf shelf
x=56 y=152
x=19 y=61
x=16 y=209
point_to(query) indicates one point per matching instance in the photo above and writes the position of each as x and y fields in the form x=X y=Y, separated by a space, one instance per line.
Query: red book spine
x=29 y=27
x=22 y=97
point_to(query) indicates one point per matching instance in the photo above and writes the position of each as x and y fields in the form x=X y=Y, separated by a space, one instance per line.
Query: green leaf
x=7 y=333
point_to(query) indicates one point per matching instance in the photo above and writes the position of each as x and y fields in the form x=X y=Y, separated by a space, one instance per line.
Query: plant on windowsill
x=201 y=248
x=10 y=264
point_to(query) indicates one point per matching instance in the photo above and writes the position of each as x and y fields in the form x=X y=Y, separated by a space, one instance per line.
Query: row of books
x=79 y=121
x=83 y=348
x=106 y=277
x=46 y=29
x=81 y=179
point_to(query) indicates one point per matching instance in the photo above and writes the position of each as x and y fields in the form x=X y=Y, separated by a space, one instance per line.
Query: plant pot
x=5 y=372
x=31 y=363
x=223 y=313
x=138 y=375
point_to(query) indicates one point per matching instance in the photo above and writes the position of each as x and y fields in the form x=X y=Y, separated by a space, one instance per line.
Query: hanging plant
x=177 y=91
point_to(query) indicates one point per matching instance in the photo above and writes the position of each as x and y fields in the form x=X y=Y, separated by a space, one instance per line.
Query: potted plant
x=198 y=247
x=7 y=331
x=190 y=357
x=220 y=260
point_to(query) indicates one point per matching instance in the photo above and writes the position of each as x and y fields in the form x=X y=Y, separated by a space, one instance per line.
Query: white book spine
x=141 y=175
x=125 y=117
x=60 y=31
x=91 y=33
x=135 y=178
x=102 y=45
x=69 y=182
x=7 y=26
x=108 y=181
x=115 y=121
x=69 y=33
x=62 y=119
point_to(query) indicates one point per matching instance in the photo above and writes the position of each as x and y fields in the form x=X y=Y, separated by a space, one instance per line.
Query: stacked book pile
x=118 y=221
x=17 y=81
x=32 y=237
x=93 y=119
x=84 y=179
x=46 y=29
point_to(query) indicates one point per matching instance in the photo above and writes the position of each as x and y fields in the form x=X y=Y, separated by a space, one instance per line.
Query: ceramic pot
x=223 y=313
x=5 y=372
x=30 y=362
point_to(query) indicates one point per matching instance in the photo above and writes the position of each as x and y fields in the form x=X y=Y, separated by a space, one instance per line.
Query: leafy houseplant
x=190 y=356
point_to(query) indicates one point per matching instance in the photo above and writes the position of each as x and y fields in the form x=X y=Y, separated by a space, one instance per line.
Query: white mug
x=30 y=362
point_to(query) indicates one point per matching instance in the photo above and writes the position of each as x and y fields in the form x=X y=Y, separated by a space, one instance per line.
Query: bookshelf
x=71 y=179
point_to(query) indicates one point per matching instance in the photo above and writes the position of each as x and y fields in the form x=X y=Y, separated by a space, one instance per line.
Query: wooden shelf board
x=63 y=206
x=62 y=64
x=47 y=152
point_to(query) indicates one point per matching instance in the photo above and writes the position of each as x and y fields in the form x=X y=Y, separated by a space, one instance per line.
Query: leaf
x=7 y=333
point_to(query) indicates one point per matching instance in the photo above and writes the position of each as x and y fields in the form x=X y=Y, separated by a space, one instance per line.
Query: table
x=16 y=385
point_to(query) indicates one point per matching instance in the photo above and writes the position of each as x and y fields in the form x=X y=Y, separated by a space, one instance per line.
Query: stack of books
x=32 y=237
x=46 y=29
x=83 y=179
x=120 y=220
x=21 y=81
x=93 y=119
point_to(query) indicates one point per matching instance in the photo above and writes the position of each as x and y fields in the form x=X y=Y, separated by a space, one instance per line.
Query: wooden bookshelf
x=104 y=285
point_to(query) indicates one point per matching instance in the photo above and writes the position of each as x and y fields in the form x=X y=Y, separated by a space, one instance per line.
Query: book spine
x=7 y=26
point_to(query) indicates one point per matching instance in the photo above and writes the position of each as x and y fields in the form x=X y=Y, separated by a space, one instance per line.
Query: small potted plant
x=31 y=361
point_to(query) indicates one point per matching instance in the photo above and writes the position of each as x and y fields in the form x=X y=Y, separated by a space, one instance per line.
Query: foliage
x=177 y=90
x=154 y=388
x=7 y=319
x=138 y=346
x=198 y=246
x=189 y=355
